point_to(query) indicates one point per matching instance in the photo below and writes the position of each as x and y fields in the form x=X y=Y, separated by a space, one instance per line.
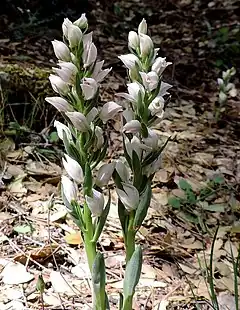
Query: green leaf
x=99 y=282
x=143 y=206
x=189 y=217
x=137 y=170
x=122 y=216
x=87 y=184
x=102 y=220
x=184 y=185
x=120 y=301
x=53 y=137
x=218 y=179
x=40 y=286
x=132 y=274
x=174 y=202
x=217 y=207
x=24 y=229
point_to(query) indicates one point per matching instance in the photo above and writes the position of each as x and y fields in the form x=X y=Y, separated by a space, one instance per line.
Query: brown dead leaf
x=38 y=255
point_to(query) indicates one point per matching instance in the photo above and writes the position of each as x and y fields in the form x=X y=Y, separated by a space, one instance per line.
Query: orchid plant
x=226 y=90
x=76 y=80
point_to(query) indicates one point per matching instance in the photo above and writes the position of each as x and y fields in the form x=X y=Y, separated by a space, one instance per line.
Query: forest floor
x=196 y=190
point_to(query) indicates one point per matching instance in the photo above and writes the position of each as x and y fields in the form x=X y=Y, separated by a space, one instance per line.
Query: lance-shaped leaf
x=98 y=282
x=102 y=221
x=87 y=185
x=132 y=275
x=143 y=206
x=137 y=170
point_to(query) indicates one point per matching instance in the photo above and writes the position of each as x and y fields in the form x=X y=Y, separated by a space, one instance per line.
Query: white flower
x=128 y=115
x=89 y=88
x=146 y=45
x=142 y=28
x=129 y=196
x=109 y=110
x=130 y=61
x=222 y=97
x=135 y=145
x=65 y=26
x=220 y=82
x=99 y=138
x=163 y=89
x=67 y=72
x=61 y=50
x=99 y=74
x=122 y=171
x=92 y=114
x=151 y=140
x=87 y=40
x=159 y=65
x=150 y=80
x=58 y=85
x=133 y=40
x=136 y=91
x=104 y=174
x=61 y=128
x=95 y=203
x=133 y=126
x=69 y=189
x=82 y=22
x=156 y=107
x=74 y=35
x=74 y=170
x=89 y=55
x=59 y=103
x=153 y=167
x=79 y=121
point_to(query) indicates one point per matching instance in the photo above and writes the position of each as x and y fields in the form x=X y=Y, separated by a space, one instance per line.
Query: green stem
x=130 y=238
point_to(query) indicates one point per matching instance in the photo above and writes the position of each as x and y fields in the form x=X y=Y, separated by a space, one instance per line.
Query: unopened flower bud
x=82 y=22
x=89 y=55
x=69 y=189
x=130 y=61
x=95 y=203
x=61 y=50
x=133 y=126
x=133 y=40
x=74 y=35
x=142 y=28
x=67 y=72
x=61 y=128
x=109 y=110
x=74 y=170
x=79 y=121
x=89 y=88
x=60 y=104
x=65 y=26
x=104 y=174
x=146 y=45
x=58 y=85
x=122 y=171
x=129 y=196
